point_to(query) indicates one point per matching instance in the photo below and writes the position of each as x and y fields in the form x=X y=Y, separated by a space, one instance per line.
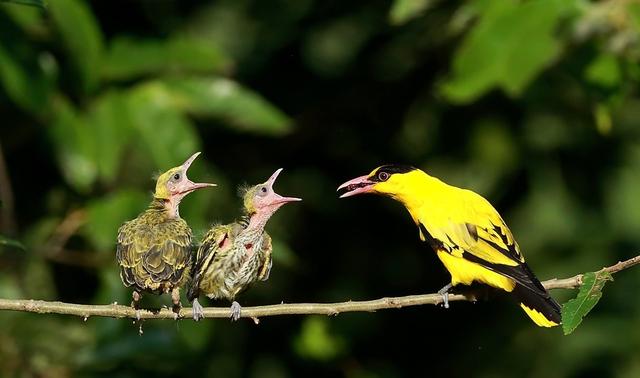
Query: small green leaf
x=230 y=101
x=34 y=3
x=129 y=58
x=604 y=71
x=405 y=10
x=510 y=44
x=82 y=37
x=5 y=241
x=590 y=293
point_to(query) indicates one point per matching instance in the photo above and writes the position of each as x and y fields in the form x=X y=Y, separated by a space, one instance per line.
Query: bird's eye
x=383 y=176
x=176 y=177
x=262 y=191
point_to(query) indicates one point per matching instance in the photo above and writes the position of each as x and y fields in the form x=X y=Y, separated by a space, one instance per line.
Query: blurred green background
x=534 y=104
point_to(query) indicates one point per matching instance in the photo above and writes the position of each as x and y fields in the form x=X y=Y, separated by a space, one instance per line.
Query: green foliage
x=225 y=99
x=132 y=58
x=80 y=33
x=315 y=340
x=405 y=10
x=532 y=103
x=511 y=44
x=590 y=293
x=5 y=241
x=107 y=214
x=35 y=3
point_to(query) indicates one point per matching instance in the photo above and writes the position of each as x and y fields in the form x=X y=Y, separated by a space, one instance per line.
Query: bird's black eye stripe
x=384 y=172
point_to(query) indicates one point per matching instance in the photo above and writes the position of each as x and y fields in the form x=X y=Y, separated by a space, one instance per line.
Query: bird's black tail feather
x=538 y=304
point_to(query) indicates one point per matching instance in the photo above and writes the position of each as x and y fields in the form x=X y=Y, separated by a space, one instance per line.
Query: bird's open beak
x=189 y=186
x=358 y=185
x=277 y=199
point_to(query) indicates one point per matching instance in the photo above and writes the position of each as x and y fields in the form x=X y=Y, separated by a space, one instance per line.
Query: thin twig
x=119 y=311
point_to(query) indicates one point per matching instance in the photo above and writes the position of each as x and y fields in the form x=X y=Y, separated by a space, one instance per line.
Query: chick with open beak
x=235 y=255
x=154 y=250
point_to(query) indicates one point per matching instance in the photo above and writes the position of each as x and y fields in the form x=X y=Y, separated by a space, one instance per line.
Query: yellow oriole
x=466 y=232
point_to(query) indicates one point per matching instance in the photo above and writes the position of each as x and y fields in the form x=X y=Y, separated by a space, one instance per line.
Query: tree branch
x=119 y=311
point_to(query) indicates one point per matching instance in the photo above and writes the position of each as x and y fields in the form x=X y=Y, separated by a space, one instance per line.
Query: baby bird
x=154 y=251
x=233 y=256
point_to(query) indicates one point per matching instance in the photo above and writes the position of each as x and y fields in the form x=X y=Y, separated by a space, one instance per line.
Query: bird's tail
x=538 y=304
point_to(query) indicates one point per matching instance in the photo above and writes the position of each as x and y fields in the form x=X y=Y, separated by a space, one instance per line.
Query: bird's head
x=174 y=184
x=392 y=180
x=262 y=198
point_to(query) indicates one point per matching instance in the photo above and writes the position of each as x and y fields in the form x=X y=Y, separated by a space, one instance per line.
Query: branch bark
x=119 y=311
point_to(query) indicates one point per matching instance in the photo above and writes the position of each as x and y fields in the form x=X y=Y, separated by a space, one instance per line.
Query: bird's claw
x=198 y=311
x=444 y=292
x=236 y=311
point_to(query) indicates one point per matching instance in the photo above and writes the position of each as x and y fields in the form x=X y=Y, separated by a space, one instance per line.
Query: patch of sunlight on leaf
x=406 y=10
x=604 y=71
x=590 y=293
x=163 y=131
x=510 y=44
x=316 y=342
x=238 y=106
x=130 y=58
x=75 y=146
x=82 y=38
x=107 y=214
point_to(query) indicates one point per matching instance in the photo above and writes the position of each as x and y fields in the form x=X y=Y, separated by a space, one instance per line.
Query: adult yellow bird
x=466 y=232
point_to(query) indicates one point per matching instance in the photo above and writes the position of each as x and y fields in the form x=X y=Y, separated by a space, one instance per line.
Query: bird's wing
x=477 y=233
x=169 y=253
x=215 y=240
x=267 y=262
x=474 y=226
x=129 y=253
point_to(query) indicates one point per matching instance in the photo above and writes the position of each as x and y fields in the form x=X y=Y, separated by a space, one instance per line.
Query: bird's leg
x=198 y=311
x=236 y=310
x=175 y=298
x=445 y=294
x=136 y=303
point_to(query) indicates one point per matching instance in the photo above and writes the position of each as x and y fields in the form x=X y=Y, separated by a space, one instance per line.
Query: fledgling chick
x=154 y=250
x=233 y=256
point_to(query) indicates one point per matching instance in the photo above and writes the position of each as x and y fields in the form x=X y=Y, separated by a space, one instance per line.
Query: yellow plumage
x=467 y=233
